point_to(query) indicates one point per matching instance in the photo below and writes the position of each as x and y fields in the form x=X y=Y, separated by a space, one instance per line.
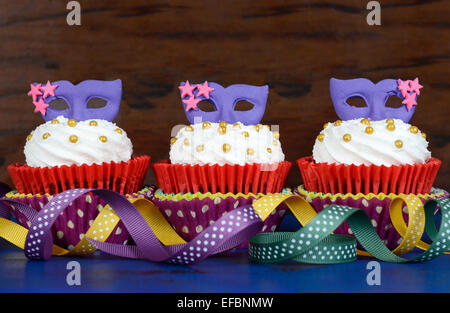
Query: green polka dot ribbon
x=315 y=243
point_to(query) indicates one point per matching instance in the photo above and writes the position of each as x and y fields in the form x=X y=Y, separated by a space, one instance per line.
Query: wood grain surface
x=293 y=46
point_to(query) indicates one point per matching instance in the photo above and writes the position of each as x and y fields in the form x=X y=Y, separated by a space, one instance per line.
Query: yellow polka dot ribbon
x=100 y=229
x=16 y=234
x=315 y=243
x=154 y=238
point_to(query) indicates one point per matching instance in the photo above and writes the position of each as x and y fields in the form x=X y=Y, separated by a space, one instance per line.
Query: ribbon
x=4 y=189
x=314 y=243
x=157 y=241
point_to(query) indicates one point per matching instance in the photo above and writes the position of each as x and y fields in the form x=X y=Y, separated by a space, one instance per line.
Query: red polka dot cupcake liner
x=190 y=214
x=375 y=205
x=124 y=177
x=341 y=178
x=75 y=221
x=248 y=178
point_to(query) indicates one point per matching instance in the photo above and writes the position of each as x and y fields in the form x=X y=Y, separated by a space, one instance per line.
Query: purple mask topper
x=375 y=96
x=77 y=98
x=224 y=101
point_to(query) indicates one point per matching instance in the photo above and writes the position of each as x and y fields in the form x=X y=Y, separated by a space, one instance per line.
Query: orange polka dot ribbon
x=315 y=243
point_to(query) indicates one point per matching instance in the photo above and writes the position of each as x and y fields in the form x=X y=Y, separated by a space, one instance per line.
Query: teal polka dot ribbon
x=315 y=243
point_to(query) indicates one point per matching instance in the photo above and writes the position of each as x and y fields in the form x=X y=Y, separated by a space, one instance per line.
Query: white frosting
x=378 y=148
x=264 y=148
x=57 y=149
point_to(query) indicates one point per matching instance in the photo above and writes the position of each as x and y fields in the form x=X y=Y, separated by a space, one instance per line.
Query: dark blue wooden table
x=231 y=273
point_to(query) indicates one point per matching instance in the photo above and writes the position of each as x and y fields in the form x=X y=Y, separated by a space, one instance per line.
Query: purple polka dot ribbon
x=39 y=241
x=4 y=212
x=226 y=233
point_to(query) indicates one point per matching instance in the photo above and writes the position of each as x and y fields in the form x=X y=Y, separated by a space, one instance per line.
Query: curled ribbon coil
x=314 y=243
x=157 y=241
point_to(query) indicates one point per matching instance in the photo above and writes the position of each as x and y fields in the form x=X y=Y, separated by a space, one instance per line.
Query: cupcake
x=222 y=160
x=77 y=147
x=371 y=154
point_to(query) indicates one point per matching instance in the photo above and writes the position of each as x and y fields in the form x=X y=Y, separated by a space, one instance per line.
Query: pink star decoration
x=204 y=90
x=34 y=91
x=191 y=103
x=403 y=86
x=49 y=89
x=41 y=106
x=410 y=101
x=187 y=89
x=415 y=86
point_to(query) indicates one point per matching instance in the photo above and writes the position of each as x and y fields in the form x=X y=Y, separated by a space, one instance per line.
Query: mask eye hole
x=356 y=101
x=243 y=105
x=206 y=106
x=96 y=103
x=59 y=105
x=394 y=102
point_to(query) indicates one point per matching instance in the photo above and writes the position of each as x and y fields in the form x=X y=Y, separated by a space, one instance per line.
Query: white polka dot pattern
x=39 y=242
x=314 y=242
x=308 y=245
x=242 y=222
x=311 y=244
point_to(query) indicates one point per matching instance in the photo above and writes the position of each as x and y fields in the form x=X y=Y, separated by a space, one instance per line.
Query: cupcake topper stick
x=77 y=98
x=224 y=101
x=375 y=96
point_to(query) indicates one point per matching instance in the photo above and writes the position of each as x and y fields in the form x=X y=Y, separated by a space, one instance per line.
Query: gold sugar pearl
x=55 y=121
x=223 y=124
x=173 y=140
x=347 y=137
x=275 y=142
x=398 y=143
x=269 y=150
x=189 y=128
x=245 y=134
x=424 y=136
x=222 y=130
x=268 y=127
x=258 y=127
x=338 y=123
x=325 y=125
x=186 y=142
x=118 y=130
x=237 y=125
x=103 y=138
x=365 y=121
x=72 y=122
x=389 y=121
x=414 y=129
x=45 y=136
x=321 y=137
x=73 y=139
x=93 y=123
x=369 y=130
x=276 y=134
x=200 y=148
x=226 y=147
x=250 y=151
x=390 y=127
x=206 y=125
x=29 y=137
